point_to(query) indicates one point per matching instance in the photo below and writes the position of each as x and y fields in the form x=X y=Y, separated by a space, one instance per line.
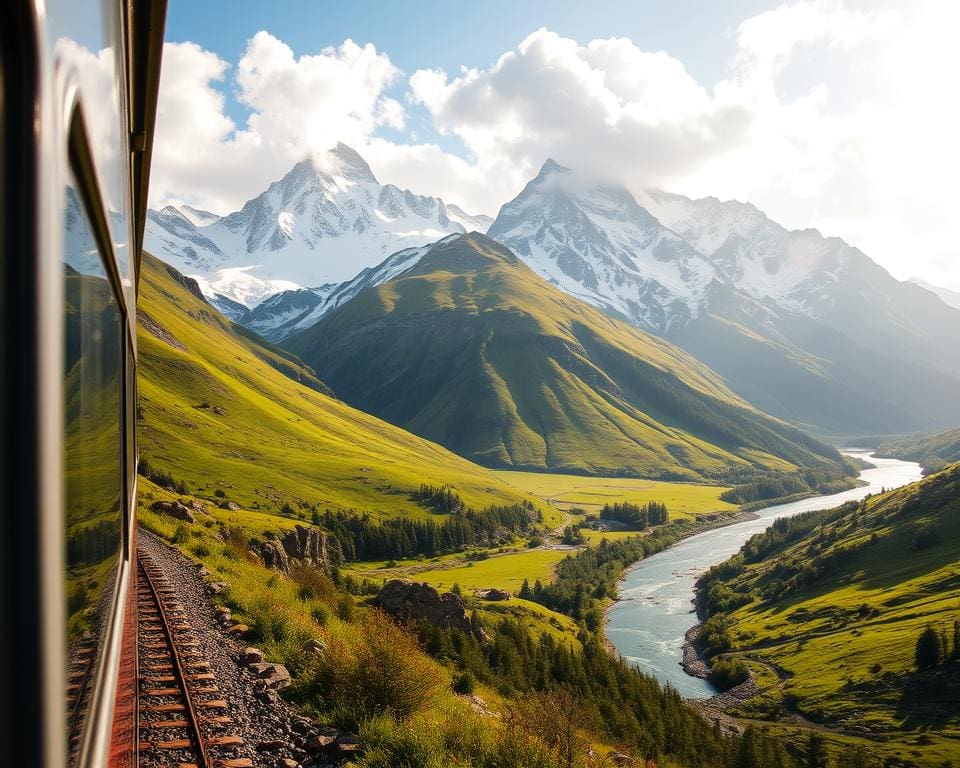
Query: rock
x=321 y=743
x=231 y=505
x=286 y=762
x=274 y=676
x=493 y=594
x=202 y=572
x=173 y=509
x=251 y=656
x=314 y=646
x=302 y=725
x=195 y=505
x=273 y=745
x=619 y=758
x=238 y=630
x=216 y=587
x=303 y=545
x=410 y=600
x=347 y=744
x=274 y=556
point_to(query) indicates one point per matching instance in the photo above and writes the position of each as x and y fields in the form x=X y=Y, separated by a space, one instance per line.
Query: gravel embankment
x=274 y=734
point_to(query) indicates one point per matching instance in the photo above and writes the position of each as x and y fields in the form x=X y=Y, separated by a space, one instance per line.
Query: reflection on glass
x=92 y=456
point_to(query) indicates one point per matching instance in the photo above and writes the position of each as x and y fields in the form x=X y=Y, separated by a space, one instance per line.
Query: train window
x=93 y=382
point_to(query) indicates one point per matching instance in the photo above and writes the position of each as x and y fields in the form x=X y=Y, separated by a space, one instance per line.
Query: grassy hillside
x=223 y=410
x=932 y=452
x=827 y=609
x=471 y=349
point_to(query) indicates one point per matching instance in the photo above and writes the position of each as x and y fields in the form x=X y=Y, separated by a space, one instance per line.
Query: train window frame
x=95 y=742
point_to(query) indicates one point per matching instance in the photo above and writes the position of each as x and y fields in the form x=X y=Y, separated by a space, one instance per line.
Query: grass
x=473 y=350
x=225 y=411
x=683 y=500
x=844 y=644
x=505 y=571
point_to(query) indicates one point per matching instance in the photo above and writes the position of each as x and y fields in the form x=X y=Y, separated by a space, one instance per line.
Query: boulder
x=195 y=505
x=274 y=556
x=250 y=656
x=314 y=646
x=410 y=600
x=238 y=630
x=274 y=676
x=493 y=594
x=173 y=509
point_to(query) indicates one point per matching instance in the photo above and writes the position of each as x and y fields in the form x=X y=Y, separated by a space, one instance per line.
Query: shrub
x=312 y=583
x=345 y=607
x=464 y=684
x=219 y=493
x=728 y=673
x=201 y=550
x=181 y=535
x=383 y=673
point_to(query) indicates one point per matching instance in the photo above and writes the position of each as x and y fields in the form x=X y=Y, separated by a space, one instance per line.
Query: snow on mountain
x=596 y=242
x=479 y=223
x=273 y=316
x=238 y=284
x=391 y=267
x=324 y=222
x=197 y=216
x=796 y=269
x=948 y=297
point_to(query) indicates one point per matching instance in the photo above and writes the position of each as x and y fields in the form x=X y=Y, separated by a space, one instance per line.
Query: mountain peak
x=551 y=167
x=350 y=165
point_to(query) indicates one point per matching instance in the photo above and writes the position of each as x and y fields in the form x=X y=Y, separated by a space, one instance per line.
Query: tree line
x=636 y=515
x=362 y=537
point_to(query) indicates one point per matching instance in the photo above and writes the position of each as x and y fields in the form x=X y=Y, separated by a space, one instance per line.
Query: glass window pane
x=93 y=483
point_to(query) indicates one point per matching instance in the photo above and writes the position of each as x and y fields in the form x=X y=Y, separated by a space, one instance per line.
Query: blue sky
x=835 y=114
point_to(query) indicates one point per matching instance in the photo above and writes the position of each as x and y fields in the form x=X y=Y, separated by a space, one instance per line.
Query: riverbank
x=649 y=621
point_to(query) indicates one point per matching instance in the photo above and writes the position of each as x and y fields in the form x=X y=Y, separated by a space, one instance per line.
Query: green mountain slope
x=221 y=409
x=814 y=376
x=473 y=350
x=827 y=608
x=932 y=452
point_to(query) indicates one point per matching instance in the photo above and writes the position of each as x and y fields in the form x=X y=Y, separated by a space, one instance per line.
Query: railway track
x=183 y=722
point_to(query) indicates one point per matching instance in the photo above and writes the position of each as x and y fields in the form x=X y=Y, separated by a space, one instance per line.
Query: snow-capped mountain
x=596 y=242
x=806 y=327
x=950 y=298
x=479 y=223
x=322 y=223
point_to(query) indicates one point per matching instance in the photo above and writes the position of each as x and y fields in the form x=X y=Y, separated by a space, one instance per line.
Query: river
x=655 y=607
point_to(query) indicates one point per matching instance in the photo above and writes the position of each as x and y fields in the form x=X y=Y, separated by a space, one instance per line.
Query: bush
x=312 y=584
x=219 y=493
x=728 y=673
x=383 y=673
x=181 y=535
x=464 y=684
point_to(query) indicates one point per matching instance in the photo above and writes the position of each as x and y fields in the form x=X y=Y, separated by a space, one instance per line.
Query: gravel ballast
x=274 y=734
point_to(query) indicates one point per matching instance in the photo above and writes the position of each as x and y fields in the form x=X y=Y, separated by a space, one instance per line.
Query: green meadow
x=683 y=500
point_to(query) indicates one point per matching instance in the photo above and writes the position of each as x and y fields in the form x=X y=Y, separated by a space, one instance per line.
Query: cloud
x=828 y=117
x=297 y=106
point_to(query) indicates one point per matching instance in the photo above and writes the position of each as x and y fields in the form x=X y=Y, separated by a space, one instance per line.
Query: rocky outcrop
x=409 y=600
x=174 y=509
x=493 y=594
x=303 y=546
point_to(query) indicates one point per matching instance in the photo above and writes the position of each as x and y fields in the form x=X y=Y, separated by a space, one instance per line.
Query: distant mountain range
x=950 y=298
x=471 y=349
x=323 y=222
x=806 y=328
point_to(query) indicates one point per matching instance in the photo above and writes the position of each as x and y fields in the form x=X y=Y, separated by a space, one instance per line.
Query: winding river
x=648 y=623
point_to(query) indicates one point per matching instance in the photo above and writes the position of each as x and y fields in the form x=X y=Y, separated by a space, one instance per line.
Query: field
x=683 y=500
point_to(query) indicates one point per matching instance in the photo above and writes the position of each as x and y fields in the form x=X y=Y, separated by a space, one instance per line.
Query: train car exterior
x=78 y=88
